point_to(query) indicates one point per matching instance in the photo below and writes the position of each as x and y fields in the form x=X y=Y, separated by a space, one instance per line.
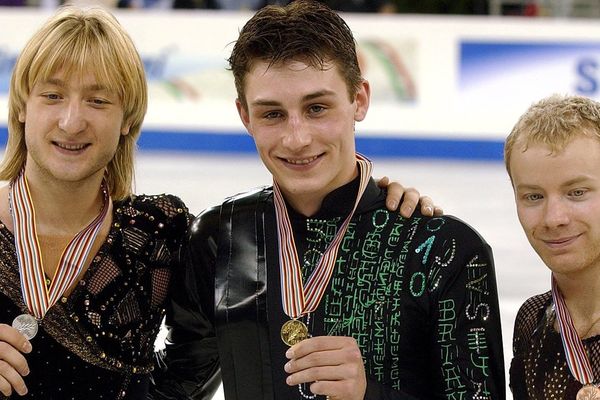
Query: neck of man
x=64 y=208
x=308 y=204
x=580 y=293
x=305 y=205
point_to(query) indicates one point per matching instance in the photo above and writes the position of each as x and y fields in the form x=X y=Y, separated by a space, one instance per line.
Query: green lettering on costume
x=427 y=246
x=457 y=395
x=366 y=288
x=380 y=219
x=417 y=284
x=434 y=224
x=452 y=379
x=447 y=356
x=481 y=363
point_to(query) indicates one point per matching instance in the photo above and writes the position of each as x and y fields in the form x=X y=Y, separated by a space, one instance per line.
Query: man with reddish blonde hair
x=552 y=157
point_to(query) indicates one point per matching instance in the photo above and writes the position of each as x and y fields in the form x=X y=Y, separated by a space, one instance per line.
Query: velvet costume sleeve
x=188 y=367
x=461 y=301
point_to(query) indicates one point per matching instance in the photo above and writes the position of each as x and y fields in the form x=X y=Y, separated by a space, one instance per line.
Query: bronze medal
x=588 y=392
x=293 y=331
x=26 y=324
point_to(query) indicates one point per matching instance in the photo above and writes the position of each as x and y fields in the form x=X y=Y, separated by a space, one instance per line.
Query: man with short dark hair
x=311 y=288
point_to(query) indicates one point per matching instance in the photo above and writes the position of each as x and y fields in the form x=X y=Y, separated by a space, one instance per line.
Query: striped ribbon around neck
x=298 y=298
x=577 y=357
x=37 y=295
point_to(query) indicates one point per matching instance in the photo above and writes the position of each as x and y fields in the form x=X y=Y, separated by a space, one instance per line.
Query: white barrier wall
x=442 y=86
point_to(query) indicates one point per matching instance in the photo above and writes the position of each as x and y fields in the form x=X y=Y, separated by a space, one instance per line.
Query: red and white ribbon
x=37 y=295
x=298 y=298
x=577 y=358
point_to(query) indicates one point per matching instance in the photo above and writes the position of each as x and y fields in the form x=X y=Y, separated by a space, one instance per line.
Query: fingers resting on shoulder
x=407 y=199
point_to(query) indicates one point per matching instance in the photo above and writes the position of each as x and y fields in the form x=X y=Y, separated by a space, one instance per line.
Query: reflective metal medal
x=588 y=392
x=293 y=331
x=26 y=324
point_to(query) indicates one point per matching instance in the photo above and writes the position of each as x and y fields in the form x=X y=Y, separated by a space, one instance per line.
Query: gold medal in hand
x=293 y=331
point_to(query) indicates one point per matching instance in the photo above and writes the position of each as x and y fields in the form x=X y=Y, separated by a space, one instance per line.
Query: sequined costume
x=98 y=343
x=419 y=296
x=539 y=368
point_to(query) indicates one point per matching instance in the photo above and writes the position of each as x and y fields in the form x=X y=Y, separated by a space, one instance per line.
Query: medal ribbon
x=577 y=357
x=37 y=296
x=299 y=299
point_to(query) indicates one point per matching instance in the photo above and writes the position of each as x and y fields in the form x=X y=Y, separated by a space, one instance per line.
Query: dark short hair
x=303 y=30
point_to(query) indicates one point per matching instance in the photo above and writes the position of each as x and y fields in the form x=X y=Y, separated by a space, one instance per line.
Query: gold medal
x=293 y=331
x=298 y=297
x=588 y=392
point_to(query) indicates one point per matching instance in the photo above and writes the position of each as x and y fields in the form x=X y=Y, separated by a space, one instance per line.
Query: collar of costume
x=298 y=298
x=577 y=358
x=38 y=296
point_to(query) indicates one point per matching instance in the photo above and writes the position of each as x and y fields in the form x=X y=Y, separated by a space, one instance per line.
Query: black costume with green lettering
x=418 y=295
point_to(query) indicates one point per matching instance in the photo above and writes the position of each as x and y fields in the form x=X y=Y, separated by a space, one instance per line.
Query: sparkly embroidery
x=126 y=311
x=160 y=281
x=161 y=253
x=135 y=239
x=539 y=368
x=130 y=211
x=107 y=272
x=105 y=330
x=94 y=318
x=371 y=286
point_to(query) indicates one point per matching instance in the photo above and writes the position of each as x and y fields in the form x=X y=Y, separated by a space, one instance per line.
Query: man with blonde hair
x=553 y=159
x=85 y=265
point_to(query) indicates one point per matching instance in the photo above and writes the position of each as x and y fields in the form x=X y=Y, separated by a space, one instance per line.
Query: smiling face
x=302 y=121
x=72 y=128
x=558 y=202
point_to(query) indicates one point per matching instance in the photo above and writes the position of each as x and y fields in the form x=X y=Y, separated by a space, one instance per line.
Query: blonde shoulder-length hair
x=77 y=40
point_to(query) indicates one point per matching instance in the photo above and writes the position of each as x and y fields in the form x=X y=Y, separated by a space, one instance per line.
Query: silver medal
x=27 y=325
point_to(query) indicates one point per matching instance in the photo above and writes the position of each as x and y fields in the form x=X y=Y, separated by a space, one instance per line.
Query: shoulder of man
x=207 y=223
x=447 y=225
x=530 y=314
x=163 y=213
